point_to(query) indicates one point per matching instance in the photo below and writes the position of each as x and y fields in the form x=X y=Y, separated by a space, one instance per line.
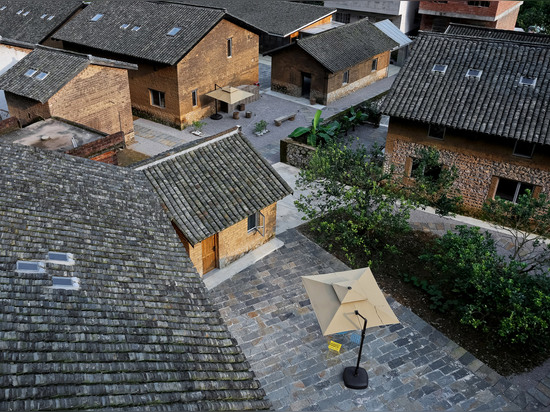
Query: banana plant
x=317 y=130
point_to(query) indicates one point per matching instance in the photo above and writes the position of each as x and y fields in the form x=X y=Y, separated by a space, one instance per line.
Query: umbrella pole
x=357 y=378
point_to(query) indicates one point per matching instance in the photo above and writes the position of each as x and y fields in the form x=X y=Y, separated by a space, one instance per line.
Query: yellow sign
x=334 y=346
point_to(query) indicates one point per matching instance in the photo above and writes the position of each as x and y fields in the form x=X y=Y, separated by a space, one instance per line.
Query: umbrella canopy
x=228 y=94
x=336 y=296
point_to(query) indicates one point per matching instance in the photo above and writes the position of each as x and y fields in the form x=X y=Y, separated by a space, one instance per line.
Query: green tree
x=528 y=222
x=352 y=200
x=534 y=13
x=432 y=183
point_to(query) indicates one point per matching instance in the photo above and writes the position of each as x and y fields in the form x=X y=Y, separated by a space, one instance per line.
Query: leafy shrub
x=488 y=292
x=260 y=126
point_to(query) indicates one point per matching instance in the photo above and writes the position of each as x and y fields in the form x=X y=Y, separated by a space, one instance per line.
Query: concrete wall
x=480 y=159
x=99 y=97
x=235 y=241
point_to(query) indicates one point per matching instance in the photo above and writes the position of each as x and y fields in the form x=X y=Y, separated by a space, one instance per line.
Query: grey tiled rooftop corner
x=411 y=366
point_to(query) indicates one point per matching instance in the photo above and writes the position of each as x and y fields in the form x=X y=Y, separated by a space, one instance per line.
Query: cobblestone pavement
x=411 y=366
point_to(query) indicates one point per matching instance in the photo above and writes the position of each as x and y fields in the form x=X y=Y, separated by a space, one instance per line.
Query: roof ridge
x=422 y=34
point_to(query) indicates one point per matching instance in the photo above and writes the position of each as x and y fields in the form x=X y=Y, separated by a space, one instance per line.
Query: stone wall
x=296 y=154
x=480 y=161
x=9 y=125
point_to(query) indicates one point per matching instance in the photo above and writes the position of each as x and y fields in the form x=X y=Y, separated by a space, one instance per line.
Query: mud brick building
x=483 y=103
x=221 y=196
x=437 y=15
x=10 y=53
x=182 y=53
x=332 y=64
x=81 y=88
x=101 y=306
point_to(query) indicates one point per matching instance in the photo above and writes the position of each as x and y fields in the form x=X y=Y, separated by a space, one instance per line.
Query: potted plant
x=260 y=128
x=197 y=127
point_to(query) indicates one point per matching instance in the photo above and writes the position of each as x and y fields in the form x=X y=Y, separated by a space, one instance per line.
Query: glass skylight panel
x=44 y=16
x=528 y=81
x=3 y=8
x=96 y=17
x=474 y=73
x=136 y=28
x=41 y=76
x=20 y=11
x=23 y=266
x=174 y=31
x=439 y=68
x=51 y=17
x=61 y=258
x=62 y=282
x=26 y=13
x=125 y=26
x=31 y=72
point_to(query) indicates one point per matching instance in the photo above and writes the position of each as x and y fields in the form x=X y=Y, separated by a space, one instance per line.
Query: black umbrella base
x=216 y=116
x=359 y=381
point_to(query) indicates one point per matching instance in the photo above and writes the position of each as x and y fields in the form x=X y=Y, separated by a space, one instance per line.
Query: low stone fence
x=295 y=154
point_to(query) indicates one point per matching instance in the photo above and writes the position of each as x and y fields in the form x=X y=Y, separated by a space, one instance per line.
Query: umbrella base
x=216 y=116
x=359 y=381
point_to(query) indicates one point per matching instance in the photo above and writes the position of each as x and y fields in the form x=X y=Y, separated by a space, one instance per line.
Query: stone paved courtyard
x=411 y=366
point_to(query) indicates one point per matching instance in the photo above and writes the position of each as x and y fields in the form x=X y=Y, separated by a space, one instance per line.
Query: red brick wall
x=9 y=125
x=102 y=150
x=98 y=97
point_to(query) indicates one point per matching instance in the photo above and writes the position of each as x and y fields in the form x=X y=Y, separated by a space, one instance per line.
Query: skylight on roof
x=96 y=17
x=26 y=13
x=61 y=258
x=3 y=8
x=31 y=72
x=439 y=68
x=124 y=26
x=474 y=73
x=62 y=282
x=136 y=28
x=528 y=81
x=44 y=16
x=51 y=17
x=174 y=31
x=41 y=76
x=23 y=266
x=20 y=11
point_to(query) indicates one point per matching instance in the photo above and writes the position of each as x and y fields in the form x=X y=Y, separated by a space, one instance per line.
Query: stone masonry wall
x=480 y=162
x=98 y=97
x=296 y=154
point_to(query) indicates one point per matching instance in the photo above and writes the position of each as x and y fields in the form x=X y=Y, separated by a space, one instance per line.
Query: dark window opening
x=511 y=189
x=436 y=131
x=374 y=64
x=194 y=97
x=432 y=172
x=524 y=149
x=229 y=47
x=157 y=98
x=345 y=79
x=252 y=221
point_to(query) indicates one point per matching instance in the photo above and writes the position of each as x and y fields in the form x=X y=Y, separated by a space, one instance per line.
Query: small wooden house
x=329 y=65
x=80 y=88
x=221 y=196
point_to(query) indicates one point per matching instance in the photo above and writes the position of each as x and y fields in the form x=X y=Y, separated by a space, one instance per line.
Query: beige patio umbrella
x=228 y=94
x=345 y=301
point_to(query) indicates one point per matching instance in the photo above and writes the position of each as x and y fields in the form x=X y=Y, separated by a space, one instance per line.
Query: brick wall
x=9 y=125
x=360 y=76
x=208 y=64
x=26 y=110
x=98 y=97
x=235 y=241
x=478 y=158
x=326 y=20
x=102 y=150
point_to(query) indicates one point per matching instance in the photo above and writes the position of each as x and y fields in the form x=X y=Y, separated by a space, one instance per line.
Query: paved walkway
x=411 y=366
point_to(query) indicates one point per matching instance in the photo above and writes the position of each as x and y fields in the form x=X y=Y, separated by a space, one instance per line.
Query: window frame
x=195 y=97
x=430 y=134
x=518 y=190
x=374 y=65
x=519 y=154
x=345 y=77
x=256 y=218
x=161 y=98
x=229 y=47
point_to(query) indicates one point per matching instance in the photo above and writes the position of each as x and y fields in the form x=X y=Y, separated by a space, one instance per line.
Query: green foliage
x=433 y=183
x=260 y=126
x=351 y=199
x=488 y=292
x=317 y=131
x=353 y=118
x=534 y=13
x=198 y=125
x=528 y=223
x=371 y=110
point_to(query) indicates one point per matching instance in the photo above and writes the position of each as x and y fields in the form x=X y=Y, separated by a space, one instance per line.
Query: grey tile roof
x=213 y=185
x=347 y=45
x=61 y=67
x=151 y=42
x=494 y=104
x=279 y=18
x=34 y=27
x=510 y=35
x=140 y=332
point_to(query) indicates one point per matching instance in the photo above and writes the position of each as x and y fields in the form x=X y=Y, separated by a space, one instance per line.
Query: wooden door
x=209 y=253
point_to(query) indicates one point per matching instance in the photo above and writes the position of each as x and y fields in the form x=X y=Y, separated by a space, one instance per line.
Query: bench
x=279 y=120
